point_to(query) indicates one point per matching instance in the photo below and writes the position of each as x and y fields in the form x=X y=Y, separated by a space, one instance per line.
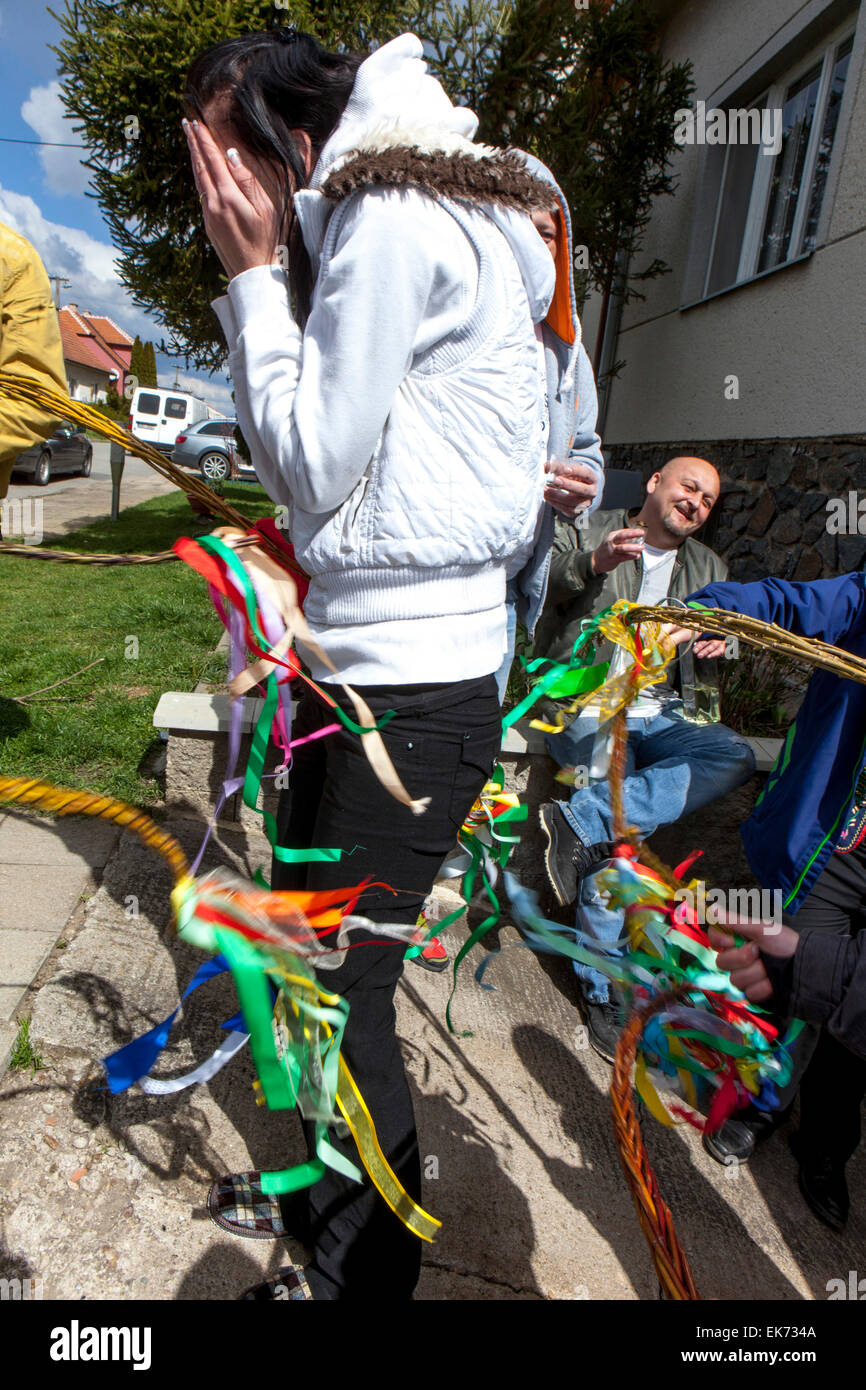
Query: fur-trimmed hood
x=400 y=129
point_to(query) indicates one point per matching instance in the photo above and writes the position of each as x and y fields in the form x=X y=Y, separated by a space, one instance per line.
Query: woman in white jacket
x=388 y=388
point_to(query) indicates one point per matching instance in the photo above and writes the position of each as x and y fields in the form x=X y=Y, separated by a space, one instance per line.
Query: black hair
x=278 y=81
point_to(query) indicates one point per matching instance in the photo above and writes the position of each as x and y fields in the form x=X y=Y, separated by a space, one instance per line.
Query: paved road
x=70 y=501
x=135 y=468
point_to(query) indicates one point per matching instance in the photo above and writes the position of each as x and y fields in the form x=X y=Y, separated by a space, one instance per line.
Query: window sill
x=752 y=280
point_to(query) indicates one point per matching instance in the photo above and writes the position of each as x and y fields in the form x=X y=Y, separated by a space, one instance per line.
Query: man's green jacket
x=574 y=593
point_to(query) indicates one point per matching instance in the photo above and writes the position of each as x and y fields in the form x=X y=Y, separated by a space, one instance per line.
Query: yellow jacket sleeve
x=30 y=344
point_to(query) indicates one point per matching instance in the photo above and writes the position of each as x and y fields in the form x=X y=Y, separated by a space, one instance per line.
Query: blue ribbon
x=124 y=1067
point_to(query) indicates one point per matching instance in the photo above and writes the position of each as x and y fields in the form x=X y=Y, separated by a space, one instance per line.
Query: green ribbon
x=264 y=723
x=282 y=1079
x=563 y=679
x=500 y=852
x=489 y=921
x=674 y=965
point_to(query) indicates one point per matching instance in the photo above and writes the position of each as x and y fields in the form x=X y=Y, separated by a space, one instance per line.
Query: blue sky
x=42 y=189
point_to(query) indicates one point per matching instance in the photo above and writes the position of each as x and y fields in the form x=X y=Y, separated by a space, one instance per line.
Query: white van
x=159 y=416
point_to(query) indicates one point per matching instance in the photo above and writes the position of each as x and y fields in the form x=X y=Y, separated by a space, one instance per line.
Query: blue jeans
x=672 y=768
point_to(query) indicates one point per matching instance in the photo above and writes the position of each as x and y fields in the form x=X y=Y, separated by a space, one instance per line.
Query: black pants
x=833 y=1078
x=443 y=742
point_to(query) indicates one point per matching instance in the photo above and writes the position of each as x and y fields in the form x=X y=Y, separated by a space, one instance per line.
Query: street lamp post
x=117 y=458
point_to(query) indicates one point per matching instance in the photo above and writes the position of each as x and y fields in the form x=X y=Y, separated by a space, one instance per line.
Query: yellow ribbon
x=360 y=1122
x=354 y=1110
x=619 y=690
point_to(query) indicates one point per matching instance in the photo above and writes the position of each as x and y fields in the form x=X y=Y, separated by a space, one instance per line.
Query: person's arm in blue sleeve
x=827 y=608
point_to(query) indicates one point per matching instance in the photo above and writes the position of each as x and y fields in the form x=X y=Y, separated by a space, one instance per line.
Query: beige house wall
x=795 y=339
x=90 y=384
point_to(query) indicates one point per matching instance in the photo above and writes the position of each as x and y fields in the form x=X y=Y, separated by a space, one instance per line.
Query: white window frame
x=758 y=102
x=771 y=98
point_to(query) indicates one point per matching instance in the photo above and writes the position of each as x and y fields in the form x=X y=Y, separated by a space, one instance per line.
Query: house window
x=769 y=205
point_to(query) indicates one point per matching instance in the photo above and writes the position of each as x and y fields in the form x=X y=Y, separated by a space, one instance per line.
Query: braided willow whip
x=657 y=1224
x=74 y=557
x=668 y=1256
x=30 y=791
x=58 y=406
x=767 y=636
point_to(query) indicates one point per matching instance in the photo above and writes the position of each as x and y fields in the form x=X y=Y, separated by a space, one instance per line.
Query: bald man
x=679 y=756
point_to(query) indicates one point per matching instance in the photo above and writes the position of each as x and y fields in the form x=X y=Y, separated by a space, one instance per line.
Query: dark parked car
x=67 y=451
x=209 y=446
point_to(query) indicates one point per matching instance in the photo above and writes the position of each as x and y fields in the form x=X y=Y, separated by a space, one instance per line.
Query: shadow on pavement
x=704 y=1220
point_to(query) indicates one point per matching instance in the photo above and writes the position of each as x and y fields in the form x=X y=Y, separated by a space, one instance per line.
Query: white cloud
x=45 y=113
x=91 y=268
x=207 y=389
x=88 y=264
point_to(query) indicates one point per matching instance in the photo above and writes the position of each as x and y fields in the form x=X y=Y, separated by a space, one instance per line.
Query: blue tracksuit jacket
x=801 y=812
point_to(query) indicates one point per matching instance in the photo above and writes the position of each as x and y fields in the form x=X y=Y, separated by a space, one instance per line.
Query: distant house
x=752 y=351
x=96 y=351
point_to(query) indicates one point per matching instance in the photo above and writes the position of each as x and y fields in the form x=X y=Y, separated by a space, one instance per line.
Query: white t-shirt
x=657 y=569
x=658 y=566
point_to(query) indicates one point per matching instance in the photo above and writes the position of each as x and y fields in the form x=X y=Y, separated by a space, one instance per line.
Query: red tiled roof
x=85 y=343
x=113 y=335
x=75 y=342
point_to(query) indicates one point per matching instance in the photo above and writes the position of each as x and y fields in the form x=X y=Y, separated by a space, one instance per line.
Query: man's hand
x=239 y=216
x=743 y=963
x=704 y=647
x=616 y=547
x=572 y=487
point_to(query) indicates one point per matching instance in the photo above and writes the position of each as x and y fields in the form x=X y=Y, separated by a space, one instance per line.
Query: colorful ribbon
x=273 y=943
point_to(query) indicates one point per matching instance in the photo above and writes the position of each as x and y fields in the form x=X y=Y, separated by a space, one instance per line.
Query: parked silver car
x=209 y=446
x=67 y=451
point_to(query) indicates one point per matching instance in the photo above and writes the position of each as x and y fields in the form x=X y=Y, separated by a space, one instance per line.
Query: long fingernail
x=233 y=157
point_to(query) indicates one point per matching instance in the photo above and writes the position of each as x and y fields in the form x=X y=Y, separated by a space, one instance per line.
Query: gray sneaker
x=566 y=858
x=604 y=1024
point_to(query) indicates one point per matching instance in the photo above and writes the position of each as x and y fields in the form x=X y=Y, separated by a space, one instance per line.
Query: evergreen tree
x=464 y=40
x=148 y=365
x=136 y=364
x=587 y=91
x=115 y=407
x=122 y=69
x=583 y=88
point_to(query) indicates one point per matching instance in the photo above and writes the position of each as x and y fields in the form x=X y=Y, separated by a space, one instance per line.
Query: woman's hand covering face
x=240 y=218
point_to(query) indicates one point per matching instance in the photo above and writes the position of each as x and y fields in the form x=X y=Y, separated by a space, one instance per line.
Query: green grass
x=96 y=731
x=23 y=1055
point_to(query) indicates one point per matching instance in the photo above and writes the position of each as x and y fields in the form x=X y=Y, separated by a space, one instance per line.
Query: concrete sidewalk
x=47 y=869
x=103 y=1197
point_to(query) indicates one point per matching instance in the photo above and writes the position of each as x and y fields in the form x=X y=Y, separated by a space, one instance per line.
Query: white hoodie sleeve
x=402 y=276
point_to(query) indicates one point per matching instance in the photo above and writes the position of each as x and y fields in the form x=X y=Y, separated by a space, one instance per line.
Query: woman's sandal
x=237 y=1204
